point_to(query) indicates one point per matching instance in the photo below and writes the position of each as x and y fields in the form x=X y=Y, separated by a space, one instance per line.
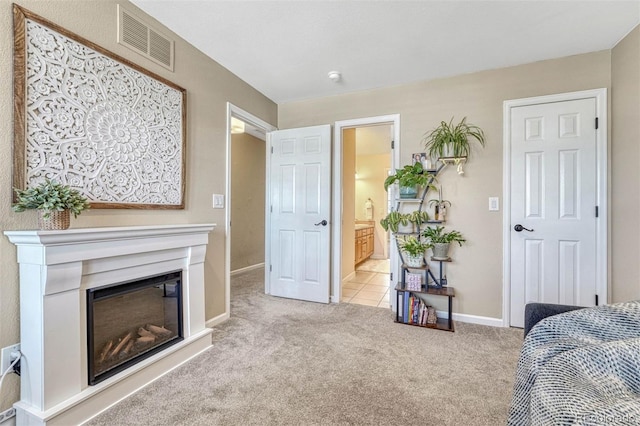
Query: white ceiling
x=286 y=48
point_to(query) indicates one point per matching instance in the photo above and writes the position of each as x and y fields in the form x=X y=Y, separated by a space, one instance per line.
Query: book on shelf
x=423 y=309
x=413 y=310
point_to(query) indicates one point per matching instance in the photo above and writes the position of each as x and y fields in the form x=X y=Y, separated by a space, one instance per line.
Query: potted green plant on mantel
x=441 y=241
x=450 y=141
x=54 y=203
x=409 y=178
x=413 y=250
x=397 y=222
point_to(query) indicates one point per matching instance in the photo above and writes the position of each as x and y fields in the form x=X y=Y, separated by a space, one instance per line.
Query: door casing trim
x=602 y=224
x=336 y=215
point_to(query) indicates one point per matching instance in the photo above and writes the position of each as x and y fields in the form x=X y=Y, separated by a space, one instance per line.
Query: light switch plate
x=218 y=201
x=494 y=204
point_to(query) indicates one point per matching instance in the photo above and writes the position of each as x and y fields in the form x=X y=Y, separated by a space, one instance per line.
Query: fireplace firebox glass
x=128 y=322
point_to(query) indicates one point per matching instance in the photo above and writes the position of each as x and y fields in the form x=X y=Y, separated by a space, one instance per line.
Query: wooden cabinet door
x=364 y=250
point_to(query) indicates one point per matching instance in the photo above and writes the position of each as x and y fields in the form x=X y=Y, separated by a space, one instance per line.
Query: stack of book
x=413 y=310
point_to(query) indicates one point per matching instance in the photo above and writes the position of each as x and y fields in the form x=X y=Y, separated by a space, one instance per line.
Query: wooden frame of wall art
x=90 y=119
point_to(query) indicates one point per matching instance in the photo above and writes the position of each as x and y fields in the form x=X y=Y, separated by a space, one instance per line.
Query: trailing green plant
x=410 y=175
x=413 y=246
x=50 y=196
x=393 y=220
x=436 y=235
x=450 y=139
x=418 y=217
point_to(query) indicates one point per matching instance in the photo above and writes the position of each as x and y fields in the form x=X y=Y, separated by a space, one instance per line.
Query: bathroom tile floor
x=370 y=284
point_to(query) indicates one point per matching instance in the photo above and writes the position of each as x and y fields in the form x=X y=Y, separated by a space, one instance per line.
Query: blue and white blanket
x=580 y=368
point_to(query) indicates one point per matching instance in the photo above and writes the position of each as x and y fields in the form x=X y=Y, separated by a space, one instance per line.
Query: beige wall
x=209 y=87
x=476 y=272
x=247 y=200
x=370 y=184
x=625 y=168
x=348 y=201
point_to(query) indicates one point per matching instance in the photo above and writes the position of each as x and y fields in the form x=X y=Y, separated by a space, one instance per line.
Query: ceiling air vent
x=137 y=35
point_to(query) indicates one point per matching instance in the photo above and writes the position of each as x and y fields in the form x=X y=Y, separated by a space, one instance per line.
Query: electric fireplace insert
x=130 y=321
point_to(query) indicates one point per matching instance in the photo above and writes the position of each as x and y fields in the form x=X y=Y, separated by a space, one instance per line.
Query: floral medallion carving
x=98 y=123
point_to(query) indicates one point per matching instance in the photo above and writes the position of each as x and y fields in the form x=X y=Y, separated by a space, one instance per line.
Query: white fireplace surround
x=56 y=269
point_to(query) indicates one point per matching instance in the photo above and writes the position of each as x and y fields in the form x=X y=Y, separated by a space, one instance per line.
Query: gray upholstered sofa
x=536 y=312
x=579 y=367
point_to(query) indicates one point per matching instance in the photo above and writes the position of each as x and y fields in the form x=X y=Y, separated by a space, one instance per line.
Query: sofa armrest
x=536 y=312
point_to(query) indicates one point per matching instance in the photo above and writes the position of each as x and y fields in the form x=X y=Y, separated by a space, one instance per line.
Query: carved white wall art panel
x=95 y=121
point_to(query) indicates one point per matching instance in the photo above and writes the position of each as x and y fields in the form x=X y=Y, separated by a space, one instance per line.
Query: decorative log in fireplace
x=128 y=322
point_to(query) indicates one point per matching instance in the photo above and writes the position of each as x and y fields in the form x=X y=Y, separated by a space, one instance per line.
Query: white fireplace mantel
x=56 y=269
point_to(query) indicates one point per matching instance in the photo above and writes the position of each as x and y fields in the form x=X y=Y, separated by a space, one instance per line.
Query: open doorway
x=364 y=155
x=248 y=161
x=246 y=152
x=366 y=160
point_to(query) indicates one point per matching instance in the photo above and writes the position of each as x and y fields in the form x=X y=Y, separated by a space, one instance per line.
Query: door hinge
x=270 y=268
x=596 y=300
x=597 y=211
x=393 y=144
x=272 y=150
x=596 y=122
x=391 y=276
x=271 y=209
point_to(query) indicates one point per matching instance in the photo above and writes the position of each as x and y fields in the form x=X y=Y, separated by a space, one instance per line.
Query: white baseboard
x=216 y=320
x=247 y=269
x=336 y=298
x=472 y=319
x=11 y=421
x=349 y=277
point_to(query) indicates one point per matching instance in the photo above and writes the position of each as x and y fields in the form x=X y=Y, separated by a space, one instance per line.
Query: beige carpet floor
x=286 y=362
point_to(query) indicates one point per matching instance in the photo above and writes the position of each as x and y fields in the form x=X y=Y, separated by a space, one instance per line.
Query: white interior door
x=553 y=197
x=300 y=211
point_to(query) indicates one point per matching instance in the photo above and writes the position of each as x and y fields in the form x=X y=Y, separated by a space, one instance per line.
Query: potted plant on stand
x=419 y=218
x=440 y=209
x=54 y=203
x=397 y=222
x=413 y=250
x=452 y=140
x=409 y=178
x=441 y=241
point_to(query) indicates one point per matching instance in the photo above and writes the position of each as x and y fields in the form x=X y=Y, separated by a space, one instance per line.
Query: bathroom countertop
x=360 y=226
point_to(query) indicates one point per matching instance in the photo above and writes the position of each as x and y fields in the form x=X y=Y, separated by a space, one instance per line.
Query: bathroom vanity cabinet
x=364 y=241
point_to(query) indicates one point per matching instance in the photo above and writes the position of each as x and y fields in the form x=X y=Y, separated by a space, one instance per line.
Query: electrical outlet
x=7 y=414
x=494 y=204
x=5 y=357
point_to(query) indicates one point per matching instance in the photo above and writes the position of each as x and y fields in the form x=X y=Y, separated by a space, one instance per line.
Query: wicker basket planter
x=53 y=201
x=57 y=220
